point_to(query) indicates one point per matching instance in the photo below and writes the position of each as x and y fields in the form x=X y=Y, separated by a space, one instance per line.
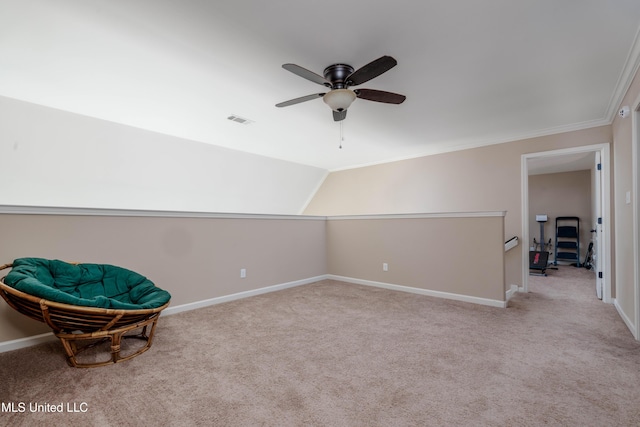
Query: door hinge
x=599 y=166
x=599 y=274
x=600 y=221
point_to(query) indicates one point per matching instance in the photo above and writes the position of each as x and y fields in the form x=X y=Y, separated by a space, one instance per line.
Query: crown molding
x=626 y=78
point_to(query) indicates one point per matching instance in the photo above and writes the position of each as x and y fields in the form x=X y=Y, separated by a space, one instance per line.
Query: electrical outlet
x=385 y=266
x=243 y=273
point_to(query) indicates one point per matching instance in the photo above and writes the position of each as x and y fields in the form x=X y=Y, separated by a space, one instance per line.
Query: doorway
x=572 y=159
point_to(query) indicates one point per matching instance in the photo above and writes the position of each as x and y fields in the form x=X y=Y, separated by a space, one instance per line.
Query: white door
x=597 y=236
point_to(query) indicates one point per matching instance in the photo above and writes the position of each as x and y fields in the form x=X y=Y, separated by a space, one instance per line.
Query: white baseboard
x=511 y=292
x=419 y=291
x=626 y=320
x=226 y=298
x=26 y=342
x=38 y=339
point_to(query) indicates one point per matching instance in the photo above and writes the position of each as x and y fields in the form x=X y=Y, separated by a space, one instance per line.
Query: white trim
x=46 y=337
x=605 y=194
x=419 y=291
x=511 y=292
x=625 y=319
x=524 y=191
x=420 y=215
x=226 y=298
x=604 y=149
x=635 y=185
x=57 y=210
x=49 y=336
x=26 y=342
x=623 y=84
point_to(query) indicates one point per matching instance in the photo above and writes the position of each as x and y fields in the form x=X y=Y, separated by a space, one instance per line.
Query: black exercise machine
x=539 y=257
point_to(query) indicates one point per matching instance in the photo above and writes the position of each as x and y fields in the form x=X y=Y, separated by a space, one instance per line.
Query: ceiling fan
x=339 y=77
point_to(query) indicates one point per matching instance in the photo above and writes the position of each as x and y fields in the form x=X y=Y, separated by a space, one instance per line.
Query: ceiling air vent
x=238 y=119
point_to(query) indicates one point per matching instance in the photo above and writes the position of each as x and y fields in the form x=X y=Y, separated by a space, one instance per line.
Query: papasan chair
x=86 y=304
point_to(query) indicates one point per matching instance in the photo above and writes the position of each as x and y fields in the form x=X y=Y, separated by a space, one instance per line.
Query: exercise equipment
x=539 y=257
x=567 y=240
x=588 y=257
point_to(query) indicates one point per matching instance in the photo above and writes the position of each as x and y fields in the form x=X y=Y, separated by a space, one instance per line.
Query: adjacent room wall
x=194 y=258
x=560 y=194
x=56 y=158
x=480 y=179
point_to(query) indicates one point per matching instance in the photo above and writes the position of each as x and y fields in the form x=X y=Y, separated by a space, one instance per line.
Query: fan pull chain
x=341 y=133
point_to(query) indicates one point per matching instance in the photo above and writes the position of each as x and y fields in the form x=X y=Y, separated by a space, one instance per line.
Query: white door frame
x=635 y=160
x=605 y=258
x=598 y=236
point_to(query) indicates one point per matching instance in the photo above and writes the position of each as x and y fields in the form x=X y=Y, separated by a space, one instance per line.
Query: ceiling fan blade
x=306 y=74
x=299 y=100
x=339 y=115
x=371 y=70
x=380 y=96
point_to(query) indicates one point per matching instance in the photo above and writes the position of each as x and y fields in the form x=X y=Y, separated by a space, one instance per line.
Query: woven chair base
x=76 y=343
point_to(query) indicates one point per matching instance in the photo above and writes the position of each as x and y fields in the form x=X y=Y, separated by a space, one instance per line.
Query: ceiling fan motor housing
x=337 y=75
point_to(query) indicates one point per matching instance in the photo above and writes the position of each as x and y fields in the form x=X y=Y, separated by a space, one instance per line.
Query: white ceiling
x=561 y=163
x=474 y=73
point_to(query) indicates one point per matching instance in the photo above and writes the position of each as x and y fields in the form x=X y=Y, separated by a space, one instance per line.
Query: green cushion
x=88 y=285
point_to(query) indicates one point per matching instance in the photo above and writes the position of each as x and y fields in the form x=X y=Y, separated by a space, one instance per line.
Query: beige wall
x=193 y=258
x=463 y=256
x=480 y=179
x=626 y=297
x=199 y=258
x=561 y=194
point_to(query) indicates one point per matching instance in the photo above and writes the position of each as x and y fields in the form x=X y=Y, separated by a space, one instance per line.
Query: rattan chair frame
x=80 y=328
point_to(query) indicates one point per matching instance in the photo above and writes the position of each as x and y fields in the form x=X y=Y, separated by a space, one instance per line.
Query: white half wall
x=60 y=159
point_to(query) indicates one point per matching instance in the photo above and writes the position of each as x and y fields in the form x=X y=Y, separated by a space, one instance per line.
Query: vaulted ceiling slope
x=474 y=73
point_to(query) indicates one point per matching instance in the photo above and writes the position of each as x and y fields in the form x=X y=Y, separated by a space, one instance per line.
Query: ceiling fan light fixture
x=339 y=99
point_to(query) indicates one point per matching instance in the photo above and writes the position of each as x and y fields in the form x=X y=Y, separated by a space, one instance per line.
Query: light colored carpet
x=337 y=354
